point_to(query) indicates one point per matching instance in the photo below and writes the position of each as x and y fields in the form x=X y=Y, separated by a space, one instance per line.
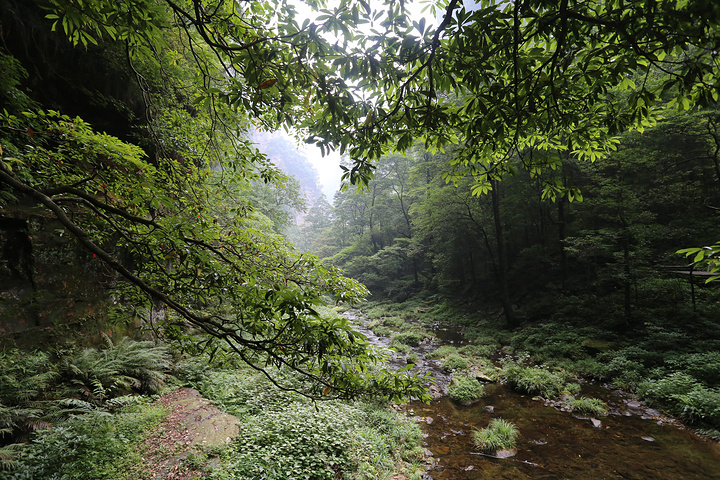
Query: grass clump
x=465 y=389
x=412 y=338
x=499 y=435
x=455 y=361
x=588 y=406
x=441 y=352
x=684 y=396
x=533 y=380
x=381 y=331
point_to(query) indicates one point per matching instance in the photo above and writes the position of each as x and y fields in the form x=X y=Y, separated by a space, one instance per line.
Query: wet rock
x=469 y=467
x=505 y=453
x=429 y=420
x=596 y=423
x=484 y=378
x=648 y=439
x=489 y=409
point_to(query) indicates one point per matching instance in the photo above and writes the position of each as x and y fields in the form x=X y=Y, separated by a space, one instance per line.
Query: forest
x=539 y=180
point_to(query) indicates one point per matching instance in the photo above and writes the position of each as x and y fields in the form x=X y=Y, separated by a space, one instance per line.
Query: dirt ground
x=174 y=450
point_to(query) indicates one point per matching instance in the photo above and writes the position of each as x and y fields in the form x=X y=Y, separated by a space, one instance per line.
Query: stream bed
x=631 y=442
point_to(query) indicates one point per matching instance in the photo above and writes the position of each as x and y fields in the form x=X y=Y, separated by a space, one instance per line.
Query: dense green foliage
x=612 y=254
x=465 y=389
x=70 y=432
x=94 y=445
x=168 y=202
x=671 y=366
x=147 y=168
x=76 y=408
x=285 y=435
x=533 y=380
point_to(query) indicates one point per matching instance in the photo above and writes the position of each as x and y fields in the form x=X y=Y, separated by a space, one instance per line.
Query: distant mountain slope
x=286 y=156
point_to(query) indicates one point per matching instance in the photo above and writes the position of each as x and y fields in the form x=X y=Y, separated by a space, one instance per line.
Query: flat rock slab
x=203 y=422
x=192 y=421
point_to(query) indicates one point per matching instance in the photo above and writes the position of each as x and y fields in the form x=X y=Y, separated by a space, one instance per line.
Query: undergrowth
x=287 y=436
x=465 y=389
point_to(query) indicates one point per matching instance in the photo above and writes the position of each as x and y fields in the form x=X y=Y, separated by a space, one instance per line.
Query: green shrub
x=413 y=358
x=381 y=331
x=441 y=352
x=393 y=322
x=704 y=366
x=533 y=380
x=591 y=367
x=625 y=367
x=700 y=405
x=683 y=395
x=410 y=337
x=455 y=361
x=465 y=389
x=96 y=445
x=667 y=389
x=589 y=406
x=479 y=350
x=499 y=435
x=401 y=347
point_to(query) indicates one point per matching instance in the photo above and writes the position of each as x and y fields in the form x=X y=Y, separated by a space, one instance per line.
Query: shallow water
x=631 y=442
x=556 y=445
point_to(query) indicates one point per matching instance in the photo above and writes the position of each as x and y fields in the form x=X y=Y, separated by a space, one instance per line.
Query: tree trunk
x=510 y=319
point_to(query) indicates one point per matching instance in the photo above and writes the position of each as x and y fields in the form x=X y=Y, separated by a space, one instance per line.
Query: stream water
x=630 y=442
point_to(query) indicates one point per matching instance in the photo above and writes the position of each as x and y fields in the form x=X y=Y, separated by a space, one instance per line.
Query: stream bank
x=631 y=441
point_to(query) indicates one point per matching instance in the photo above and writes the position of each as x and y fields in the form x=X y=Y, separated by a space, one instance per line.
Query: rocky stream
x=632 y=441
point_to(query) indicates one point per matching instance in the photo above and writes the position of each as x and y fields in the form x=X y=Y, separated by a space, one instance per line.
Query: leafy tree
x=164 y=213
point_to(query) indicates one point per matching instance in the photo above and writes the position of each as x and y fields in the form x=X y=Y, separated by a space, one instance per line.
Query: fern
x=9 y=455
x=117 y=369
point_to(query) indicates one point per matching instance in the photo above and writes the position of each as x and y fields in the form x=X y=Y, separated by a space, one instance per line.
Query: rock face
x=193 y=422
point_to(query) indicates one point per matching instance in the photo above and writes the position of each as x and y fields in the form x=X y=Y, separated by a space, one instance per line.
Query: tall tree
x=161 y=209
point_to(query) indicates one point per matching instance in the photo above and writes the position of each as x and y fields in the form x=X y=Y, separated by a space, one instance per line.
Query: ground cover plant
x=590 y=406
x=285 y=435
x=69 y=415
x=97 y=445
x=455 y=361
x=465 y=389
x=500 y=434
x=686 y=397
x=533 y=380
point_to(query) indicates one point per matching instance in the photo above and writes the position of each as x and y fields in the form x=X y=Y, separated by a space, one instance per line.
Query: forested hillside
x=608 y=246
